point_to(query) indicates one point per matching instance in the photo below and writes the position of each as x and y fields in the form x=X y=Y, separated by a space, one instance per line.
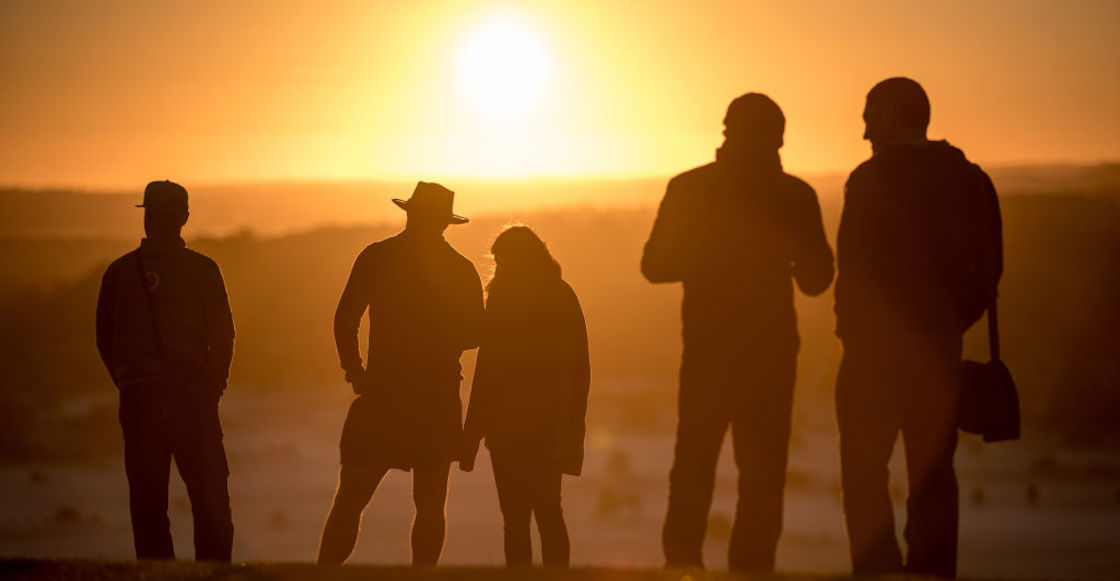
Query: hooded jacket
x=191 y=309
x=737 y=232
x=920 y=243
x=529 y=394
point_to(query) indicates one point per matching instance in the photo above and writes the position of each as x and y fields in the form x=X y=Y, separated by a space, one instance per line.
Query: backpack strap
x=140 y=271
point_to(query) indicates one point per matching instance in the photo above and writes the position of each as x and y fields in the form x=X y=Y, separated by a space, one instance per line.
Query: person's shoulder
x=123 y=261
x=798 y=187
x=201 y=260
x=696 y=175
x=565 y=290
x=865 y=170
x=379 y=248
x=460 y=261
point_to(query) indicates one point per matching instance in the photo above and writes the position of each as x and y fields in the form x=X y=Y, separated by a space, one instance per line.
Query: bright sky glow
x=503 y=67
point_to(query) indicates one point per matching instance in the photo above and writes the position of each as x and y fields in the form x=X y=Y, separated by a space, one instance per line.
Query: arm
x=581 y=379
x=851 y=248
x=993 y=250
x=581 y=363
x=665 y=258
x=348 y=316
x=812 y=263
x=479 y=407
x=105 y=321
x=219 y=327
x=474 y=311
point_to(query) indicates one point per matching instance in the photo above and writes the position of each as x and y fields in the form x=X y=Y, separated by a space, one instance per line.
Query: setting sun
x=503 y=66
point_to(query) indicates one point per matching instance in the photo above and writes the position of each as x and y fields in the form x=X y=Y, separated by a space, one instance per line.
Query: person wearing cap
x=425 y=308
x=736 y=232
x=919 y=257
x=165 y=334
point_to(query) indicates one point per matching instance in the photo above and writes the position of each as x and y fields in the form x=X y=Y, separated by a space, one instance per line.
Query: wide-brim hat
x=431 y=199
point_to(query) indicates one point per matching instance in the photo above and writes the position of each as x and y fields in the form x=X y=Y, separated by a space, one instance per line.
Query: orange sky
x=112 y=94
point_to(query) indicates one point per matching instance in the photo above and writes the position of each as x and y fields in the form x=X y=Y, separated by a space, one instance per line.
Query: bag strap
x=993 y=332
x=151 y=309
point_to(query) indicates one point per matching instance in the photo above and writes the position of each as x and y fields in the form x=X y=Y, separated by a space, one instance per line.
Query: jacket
x=736 y=232
x=529 y=393
x=191 y=307
x=920 y=243
x=425 y=309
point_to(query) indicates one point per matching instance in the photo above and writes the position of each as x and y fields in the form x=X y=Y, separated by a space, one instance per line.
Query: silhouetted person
x=736 y=232
x=919 y=256
x=529 y=394
x=165 y=333
x=425 y=309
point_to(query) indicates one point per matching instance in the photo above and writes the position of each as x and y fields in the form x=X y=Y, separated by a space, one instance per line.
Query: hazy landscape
x=1045 y=506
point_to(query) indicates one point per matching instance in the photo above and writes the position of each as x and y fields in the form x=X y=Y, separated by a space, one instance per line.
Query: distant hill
x=280 y=208
x=1059 y=313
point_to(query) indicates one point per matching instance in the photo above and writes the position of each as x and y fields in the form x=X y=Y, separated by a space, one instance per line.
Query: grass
x=99 y=570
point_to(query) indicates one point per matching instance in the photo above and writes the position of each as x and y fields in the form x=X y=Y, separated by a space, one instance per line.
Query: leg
x=867 y=416
x=702 y=423
x=930 y=438
x=356 y=485
x=201 y=458
x=514 y=498
x=147 y=464
x=760 y=434
x=429 y=495
x=555 y=547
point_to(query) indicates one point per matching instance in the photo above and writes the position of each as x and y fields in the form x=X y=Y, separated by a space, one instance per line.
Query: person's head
x=756 y=122
x=429 y=209
x=165 y=210
x=897 y=110
x=519 y=254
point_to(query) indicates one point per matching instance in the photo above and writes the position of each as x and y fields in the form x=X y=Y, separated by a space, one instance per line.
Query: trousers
x=158 y=428
x=528 y=488
x=753 y=394
x=356 y=485
x=905 y=383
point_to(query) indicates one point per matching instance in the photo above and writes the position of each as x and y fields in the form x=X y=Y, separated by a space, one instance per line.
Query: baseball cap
x=164 y=196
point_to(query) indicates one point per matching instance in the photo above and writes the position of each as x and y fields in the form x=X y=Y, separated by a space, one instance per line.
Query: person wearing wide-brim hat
x=425 y=308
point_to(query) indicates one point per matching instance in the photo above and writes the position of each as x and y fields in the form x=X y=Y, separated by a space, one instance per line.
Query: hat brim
x=452 y=219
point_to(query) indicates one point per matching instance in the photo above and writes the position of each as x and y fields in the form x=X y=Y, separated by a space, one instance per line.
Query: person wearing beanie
x=737 y=233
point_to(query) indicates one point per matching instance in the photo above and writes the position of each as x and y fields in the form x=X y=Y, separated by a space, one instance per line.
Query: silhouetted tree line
x=1060 y=318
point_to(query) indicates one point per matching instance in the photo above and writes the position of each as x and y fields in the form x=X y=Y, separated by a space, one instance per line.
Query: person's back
x=916 y=236
x=165 y=334
x=737 y=233
x=742 y=231
x=918 y=258
x=529 y=394
x=425 y=309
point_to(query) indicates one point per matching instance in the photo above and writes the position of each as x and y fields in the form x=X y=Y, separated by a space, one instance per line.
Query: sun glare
x=503 y=67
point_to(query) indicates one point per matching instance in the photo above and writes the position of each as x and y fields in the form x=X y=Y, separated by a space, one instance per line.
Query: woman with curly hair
x=529 y=393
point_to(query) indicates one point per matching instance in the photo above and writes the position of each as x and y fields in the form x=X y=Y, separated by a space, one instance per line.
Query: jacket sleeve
x=665 y=258
x=993 y=253
x=852 y=251
x=219 y=325
x=348 y=315
x=812 y=262
x=480 y=405
x=474 y=310
x=986 y=262
x=105 y=320
x=581 y=379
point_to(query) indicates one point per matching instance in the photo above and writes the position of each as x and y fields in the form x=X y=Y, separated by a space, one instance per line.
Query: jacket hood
x=938 y=153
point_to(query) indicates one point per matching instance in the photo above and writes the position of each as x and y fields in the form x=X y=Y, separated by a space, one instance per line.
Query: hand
x=470 y=451
x=358 y=381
